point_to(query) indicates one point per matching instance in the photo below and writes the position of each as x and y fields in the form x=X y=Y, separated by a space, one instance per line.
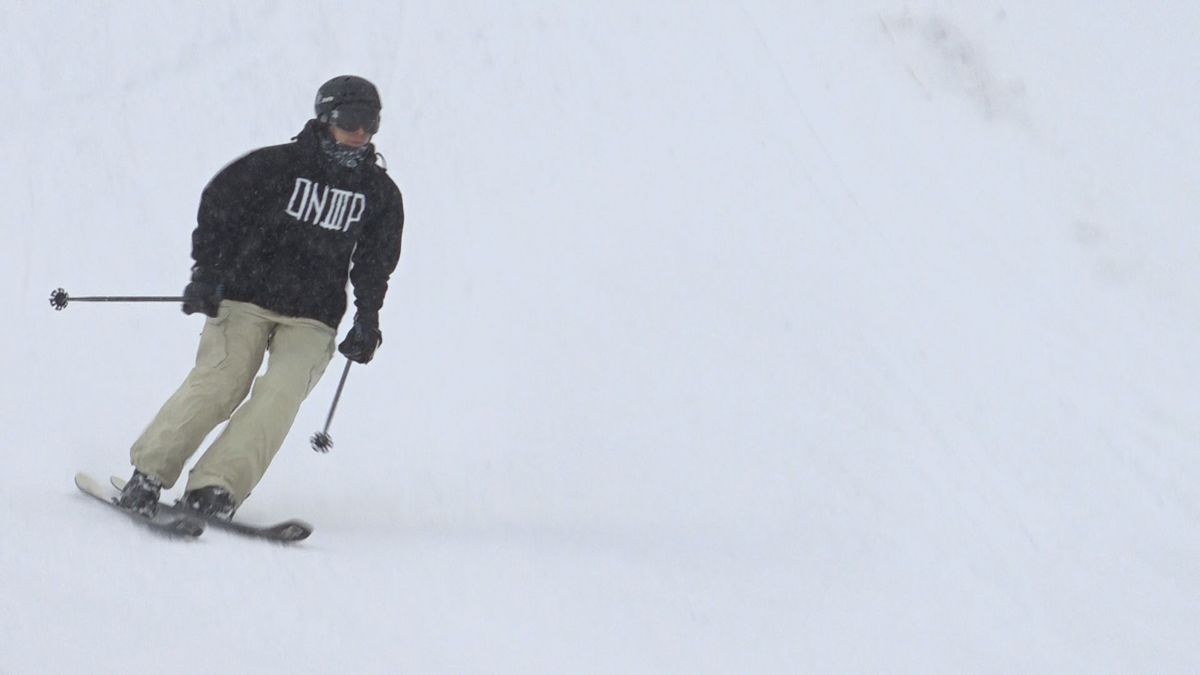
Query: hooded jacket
x=285 y=227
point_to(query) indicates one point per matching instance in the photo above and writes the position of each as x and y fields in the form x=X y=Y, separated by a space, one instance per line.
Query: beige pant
x=231 y=351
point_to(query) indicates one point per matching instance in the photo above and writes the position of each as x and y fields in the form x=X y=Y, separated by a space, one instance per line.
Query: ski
x=168 y=523
x=287 y=531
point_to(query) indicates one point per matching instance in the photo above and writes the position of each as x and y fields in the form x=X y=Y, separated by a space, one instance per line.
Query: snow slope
x=746 y=337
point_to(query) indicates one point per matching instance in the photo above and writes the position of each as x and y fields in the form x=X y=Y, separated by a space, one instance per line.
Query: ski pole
x=59 y=299
x=321 y=441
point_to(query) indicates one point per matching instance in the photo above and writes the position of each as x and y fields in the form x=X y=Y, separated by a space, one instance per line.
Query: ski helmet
x=349 y=102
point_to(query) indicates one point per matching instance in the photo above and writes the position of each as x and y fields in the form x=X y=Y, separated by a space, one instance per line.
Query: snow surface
x=729 y=337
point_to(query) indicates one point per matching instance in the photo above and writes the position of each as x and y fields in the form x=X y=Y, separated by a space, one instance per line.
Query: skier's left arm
x=372 y=264
x=376 y=256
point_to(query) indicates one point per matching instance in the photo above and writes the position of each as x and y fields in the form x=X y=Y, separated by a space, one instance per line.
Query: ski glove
x=203 y=293
x=364 y=338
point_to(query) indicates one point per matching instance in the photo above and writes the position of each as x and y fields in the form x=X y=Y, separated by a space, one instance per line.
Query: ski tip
x=294 y=530
x=88 y=484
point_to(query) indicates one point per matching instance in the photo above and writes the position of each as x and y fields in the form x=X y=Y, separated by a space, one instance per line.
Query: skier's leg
x=299 y=352
x=231 y=351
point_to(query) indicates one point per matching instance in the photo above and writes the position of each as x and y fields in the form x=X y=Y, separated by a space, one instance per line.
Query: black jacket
x=285 y=227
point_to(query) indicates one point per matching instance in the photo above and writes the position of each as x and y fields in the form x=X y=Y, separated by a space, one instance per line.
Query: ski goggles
x=354 y=117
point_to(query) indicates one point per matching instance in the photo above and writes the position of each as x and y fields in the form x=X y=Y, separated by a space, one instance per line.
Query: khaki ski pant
x=231 y=352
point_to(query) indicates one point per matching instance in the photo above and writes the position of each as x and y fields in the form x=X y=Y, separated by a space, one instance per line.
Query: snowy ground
x=758 y=337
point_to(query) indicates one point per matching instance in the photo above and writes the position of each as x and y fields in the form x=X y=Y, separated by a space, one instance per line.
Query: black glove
x=203 y=293
x=364 y=338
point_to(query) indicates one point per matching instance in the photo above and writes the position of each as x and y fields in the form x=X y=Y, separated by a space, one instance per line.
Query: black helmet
x=349 y=102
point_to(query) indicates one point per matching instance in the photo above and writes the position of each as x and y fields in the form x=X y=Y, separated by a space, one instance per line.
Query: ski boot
x=140 y=494
x=211 y=502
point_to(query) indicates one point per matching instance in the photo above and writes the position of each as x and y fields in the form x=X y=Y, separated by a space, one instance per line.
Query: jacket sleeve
x=375 y=257
x=222 y=221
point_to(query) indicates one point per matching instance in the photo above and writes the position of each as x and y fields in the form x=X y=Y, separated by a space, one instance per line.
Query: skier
x=280 y=232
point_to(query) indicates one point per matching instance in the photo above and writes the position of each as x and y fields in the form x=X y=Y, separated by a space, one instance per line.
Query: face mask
x=342 y=154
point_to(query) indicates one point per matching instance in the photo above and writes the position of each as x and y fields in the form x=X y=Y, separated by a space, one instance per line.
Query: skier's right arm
x=222 y=219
